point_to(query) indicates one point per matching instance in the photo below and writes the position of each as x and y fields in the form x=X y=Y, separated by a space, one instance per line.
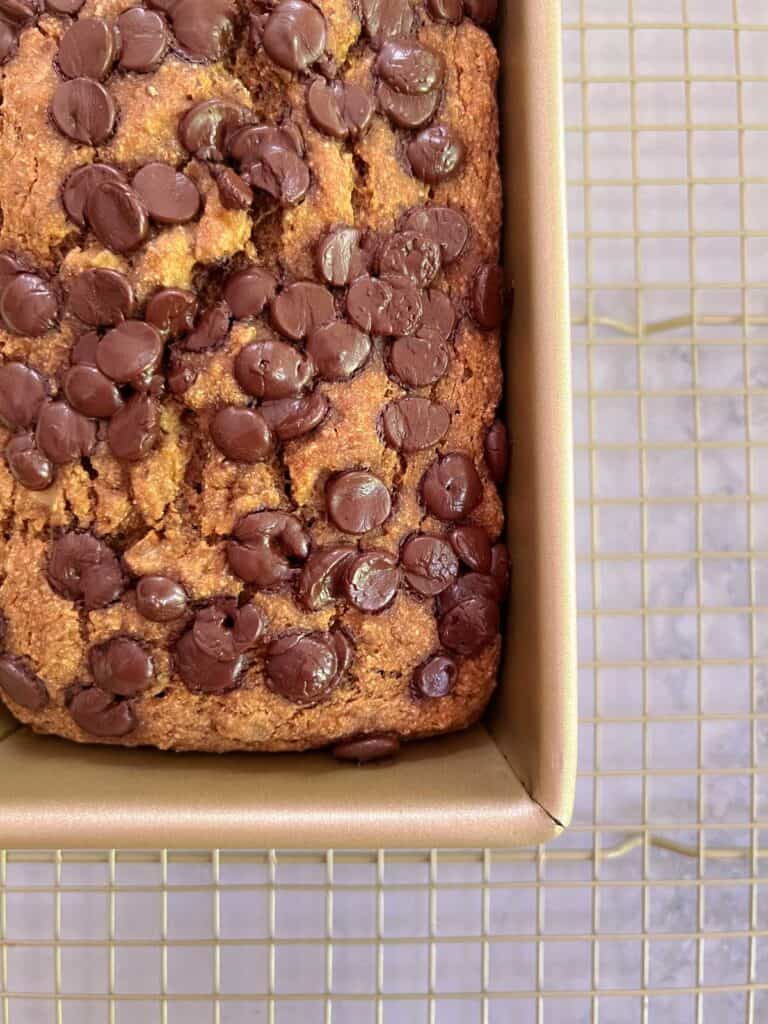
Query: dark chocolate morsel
x=411 y=255
x=172 y=311
x=444 y=225
x=211 y=330
x=407 y=111
x=497 y=451
x=290 y=418
x=84 y=568
x=234 y=191
x=451 y=11
x=130 y=352
x=160 y=599
x=435 y=677
x=89 y=391
x=435 y=153
x=84 y=350
x=63 y=434
x=418 y=362
x=21 y=683
x=386 y=19
x=294 y=34
x=79 y=185
x=301 y=307
x=321 y=579
x=473 y=546
x=143 y=39
x=169 y=196
x=357 y=501
x=338 y=350
x=205 y=127
x=439 y=317
x=84 y=111
x=429 y=564
x=364 y=749
x=223 y=631
x=272 y=369
x=267 y=548
x=28 y=465
x=339 y=109
x=135 y=428
x=200 y=672
x=117 y=216
x=87 y=49
x=481 y=11
x=339 y=257
x=470 y=625
x=101 y=297
x=122 y=666
x=409 y=66
x=371 y=580
x=488 y=295
x=413 y=423
x=302 y=667
x=241 y=434
x=99 y=714
x=22 y=391
x=248 y=291
x=391 y=305
x=29 y=306
x=451 y=487
x=203 y=28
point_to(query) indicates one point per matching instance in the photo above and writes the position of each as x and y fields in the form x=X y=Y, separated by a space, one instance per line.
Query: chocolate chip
x=341 y=110
x=203 y=28
x=365 y=749
x=429 y=564
x=29 y=306
x=481 y=11
x=169 y=196
x=19 y=682
x=22 y=391
x=435 y=677
x=84 y=568
x=63 y=434
x=224 y=632
x=172 y=311
x=470 y=585
x=294 y=35
x=410 y=255
x=90 y=392
x=338 y=350
x=281 y=173
x=371 y=581
x=409 y=66
x=339 y=257
x=451 y=487
x=10 y=266
x=321 y=579
x=267 y=548
x=301 y=307
x=70 y=7
x=87 y=49
x=473 y=546
x=203 y=674
x=204 y=128
x=234 y=192
x=451 y=11
x=248 y=291
x=357 y=501
x=135 y=428
x=488 y=295
x=144 y=39
x=160 y=599
x=344 y=648
x=246 y=144
x=101 y=297
x=79 y=185
x=9 y=41
x=84 y=111
x=385 y=19
x=435 y=154
x=117 y=216
x=302 y=667
x=99 y=714
x=180 y=376
x=272 y=369
x=130 y=353
x=444 y=225
x=242 y=435
x=84 y=349
x=27 y=463
x=497 y=451
x=290 y=418
x=390 y=305
x=122 y=666
x=18 y=12
x=500 y=570
x=407 y=111
x=211 y=330
x=470 y=626
x=413 y=423
x=418 y=362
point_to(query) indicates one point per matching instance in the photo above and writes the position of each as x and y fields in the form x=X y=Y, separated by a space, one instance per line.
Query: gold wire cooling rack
x=653 y=908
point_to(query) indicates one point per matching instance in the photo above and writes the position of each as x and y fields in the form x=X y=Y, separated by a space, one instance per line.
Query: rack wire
x=653 y=908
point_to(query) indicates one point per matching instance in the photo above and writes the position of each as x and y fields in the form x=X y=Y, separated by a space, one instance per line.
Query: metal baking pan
x=508 y=781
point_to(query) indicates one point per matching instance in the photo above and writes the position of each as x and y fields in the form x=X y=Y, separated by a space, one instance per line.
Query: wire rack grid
x=653 y=908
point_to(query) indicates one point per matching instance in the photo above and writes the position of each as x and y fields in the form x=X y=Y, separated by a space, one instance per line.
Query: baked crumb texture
x=249 y=322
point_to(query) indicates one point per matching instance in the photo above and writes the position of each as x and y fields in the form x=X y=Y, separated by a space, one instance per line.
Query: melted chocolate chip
x=70 y=7
x=84 y=349
x=117 y=216
x=19 y=682
x=497 y=451
x=29 y=306
x=294 y=35
x=90 y=392
x=272 y=369
x=321 y=580
x=203 y=28
x=79 y=185
x=418 y=362
x=413 y=423
x=439 y=315
x=500 y=570
x=473 y=546
x=130 y=353
x=279 y=172
x=169 y=196
x=435 y=154
x=385 y=19
x=470 y=626
x=204 y=128
x=302 y=667
x=180 y=376
x=444 y=225
x=451 y=487
x=241 y=434
x=338 y=350
x=481 y=11
x=267 y=548
x=248 y=291
x=203 y=674
x=429 y=564
x=339 y=257
x=144 y=39
x=407 y=111
x=172 y=311
x=389 y=305
x=10 y=266
x=99 y=714
x=84 y=111
x=301 y=307
x=18 y=12
x=211 y=330
x=9 y=41
x=135 y=428
x=247 y=144
x=22 y=391
x=28 y=465
x=341 y=110
x=488 y=295
x=357 y=501
x=409 y=66
x=365 y=749
x=451 y=11
x=101 y=297
x=234 y=191
x=87 y=49
x=411 y=255
x=84 y=568
x=160 y=599
x=470 y=585
x=290 y=418
x=122 y=666
x=435 y=677
x=224 y=632
x=371 y=581
x=63 y=434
